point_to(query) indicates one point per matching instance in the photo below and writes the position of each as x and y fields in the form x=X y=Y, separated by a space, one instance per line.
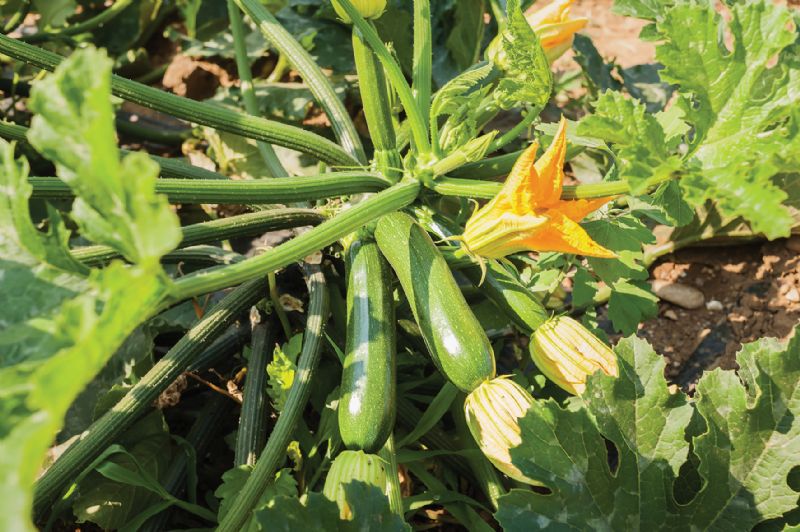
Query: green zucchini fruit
x=457 y=342
x=367 y=400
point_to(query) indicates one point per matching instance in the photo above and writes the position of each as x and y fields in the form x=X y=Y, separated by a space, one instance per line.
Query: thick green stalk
x=211 y=255
x=418 y=121
x=274 y=453
x=472 y=188
x=389 y=457
x=96 y=21
x=170 y=167
x=289 y=189
x=165 y=137
x=242 y=225
x=253 y=419
x=312 y=75
x=218 y=117
x=423 y=55
x=201 y=434
x=344 y=223
x=139 y=399
x=377 y=109
x=272 y=163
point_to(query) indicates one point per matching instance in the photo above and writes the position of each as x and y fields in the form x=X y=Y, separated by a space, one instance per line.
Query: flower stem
x=271 y=162
x=391 y=199
x=289 y=189
x=312 y=75
x=514 y=132
x=275 y=451
x=419 y=125
x=389 y=456
x=221 y=118
x=423 y=55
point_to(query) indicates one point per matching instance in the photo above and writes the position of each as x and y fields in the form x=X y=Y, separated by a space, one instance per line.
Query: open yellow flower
x=554 y=27
x=528 y=213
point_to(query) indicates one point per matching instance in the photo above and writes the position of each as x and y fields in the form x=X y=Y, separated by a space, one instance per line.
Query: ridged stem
x=253 y=418
x=140 y=398
x=418 y=121
x=272 y=164
x=274 y=453
x=377 y=109
x=289 y=189
x=96 y=21
x=423 y=55
x=218 y=117
x=312 y=75
x=472 y=188
x=389 y=457
x=242 y=225
x=389 y=200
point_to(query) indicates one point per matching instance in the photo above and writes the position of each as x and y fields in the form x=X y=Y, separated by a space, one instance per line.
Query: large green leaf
x=57 y=327
x=746 y=441
x=741 y=107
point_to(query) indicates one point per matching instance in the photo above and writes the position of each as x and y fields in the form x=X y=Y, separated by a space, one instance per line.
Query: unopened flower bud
x=493 y=411
x=367 y=8
x=567 y=353
x=352 y=466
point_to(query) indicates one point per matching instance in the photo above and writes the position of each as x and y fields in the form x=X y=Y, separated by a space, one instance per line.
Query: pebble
x=670 y=315
x=715 y=305
x=682 y=295
x=793 y=295
x=793 y=243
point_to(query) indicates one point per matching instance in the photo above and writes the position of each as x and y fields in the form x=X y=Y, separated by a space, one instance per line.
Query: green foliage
x=234 y=480
x=744 y=124
x=282 y=368
x=60 y=328
x=746 y=446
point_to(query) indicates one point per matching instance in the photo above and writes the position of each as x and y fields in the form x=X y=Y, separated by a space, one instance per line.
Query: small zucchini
x=457 y=342
x=367 y=401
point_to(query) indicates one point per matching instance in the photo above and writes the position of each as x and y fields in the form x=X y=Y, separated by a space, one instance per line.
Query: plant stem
x=276 y=305
x=275 y=451
x=487 y=168
x=242 y=225
x=472 y=188
x=389 y=200
x=273 y=166
x=418 y=122
x=165 y=137
x=221 y=118
x=253 y=418
x=514 y=132
x=312 y=75
x=289 y=189
x=423 y=55
x=387 y=454
x=96 y=21
x=140 y=398
x=377 y=109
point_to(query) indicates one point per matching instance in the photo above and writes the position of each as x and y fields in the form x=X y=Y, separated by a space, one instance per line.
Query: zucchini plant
x=435 y=230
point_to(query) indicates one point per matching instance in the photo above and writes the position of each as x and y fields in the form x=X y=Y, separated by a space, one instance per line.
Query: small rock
x=682 y=295
x=793 y=243
x=715 y=305
x=670 y=315
x=793 y=295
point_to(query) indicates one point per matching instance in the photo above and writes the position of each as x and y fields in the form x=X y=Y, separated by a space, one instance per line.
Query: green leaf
x=638 y=139
x=744 y=431
x=625 y=235
x=596 y=70
x=369 y=505
x=110 y=504
x=281 y=370
x=58 y=329
x=233 y=480
x=639 y=416
x=631 y=303
x=54 y=13
x=742 y=109
x=116 y=202
x=527 y=71
x=646 y=9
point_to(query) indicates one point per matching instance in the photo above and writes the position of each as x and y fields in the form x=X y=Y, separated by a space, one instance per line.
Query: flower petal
x=549 y=180
x=566 y=236
x=576 y=210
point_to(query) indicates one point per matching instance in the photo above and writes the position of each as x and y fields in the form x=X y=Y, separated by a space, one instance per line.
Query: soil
x=751 y=291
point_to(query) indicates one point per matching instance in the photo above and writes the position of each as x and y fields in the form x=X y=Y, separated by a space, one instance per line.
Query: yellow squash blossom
x=528 y=213
x=554 y=27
